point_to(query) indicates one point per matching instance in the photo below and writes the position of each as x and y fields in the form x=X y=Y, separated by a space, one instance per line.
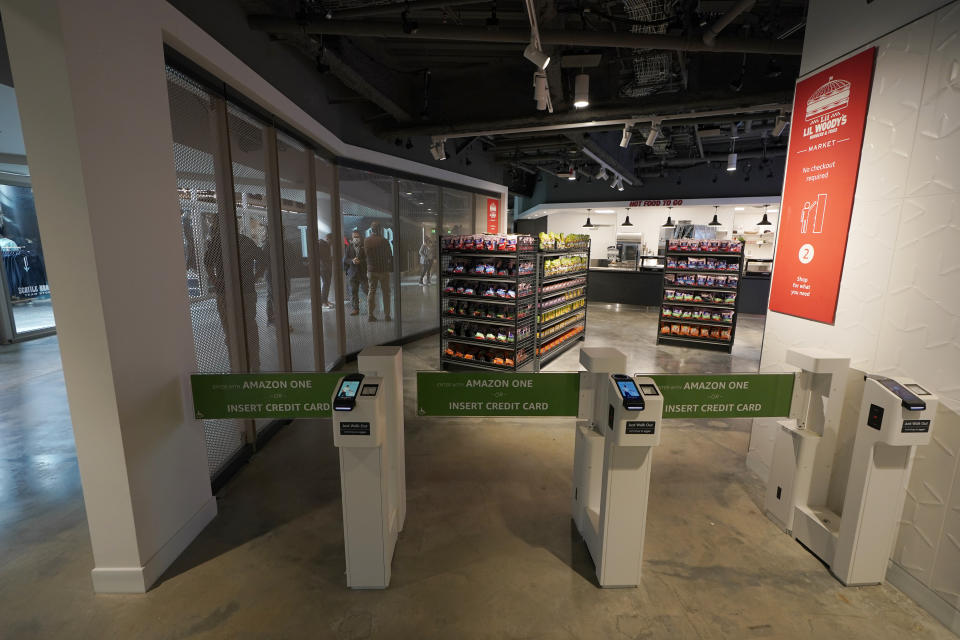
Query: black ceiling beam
x=397 y=8
x=609 y=39
x=650 y=108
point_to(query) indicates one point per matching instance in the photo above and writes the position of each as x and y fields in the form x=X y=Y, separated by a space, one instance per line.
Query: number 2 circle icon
x=806 y=253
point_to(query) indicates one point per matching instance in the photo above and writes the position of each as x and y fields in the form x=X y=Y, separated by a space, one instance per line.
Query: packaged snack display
x=510 y=243
x=563 y=241
x=704 y=246
x=700 y=286
x=576 y=263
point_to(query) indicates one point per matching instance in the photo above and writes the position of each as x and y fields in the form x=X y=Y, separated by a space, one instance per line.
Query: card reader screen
x=628 y=389
x=349 y=389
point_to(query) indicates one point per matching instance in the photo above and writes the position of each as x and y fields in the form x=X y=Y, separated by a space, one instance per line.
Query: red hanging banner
x=493 y=215
x=826 y=137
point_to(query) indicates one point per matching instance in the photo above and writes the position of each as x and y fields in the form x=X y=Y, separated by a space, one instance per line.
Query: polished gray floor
x=488 y=550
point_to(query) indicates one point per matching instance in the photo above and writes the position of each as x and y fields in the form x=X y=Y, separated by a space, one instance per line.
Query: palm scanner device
x=359 y=433
x=854 y=537
x=620 y=423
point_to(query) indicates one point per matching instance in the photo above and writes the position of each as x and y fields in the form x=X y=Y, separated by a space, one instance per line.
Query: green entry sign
x=263 y=395
x=748 y=395
x=497 y=394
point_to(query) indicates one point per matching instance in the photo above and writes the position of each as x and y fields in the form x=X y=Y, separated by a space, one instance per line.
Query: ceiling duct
x=652 y=70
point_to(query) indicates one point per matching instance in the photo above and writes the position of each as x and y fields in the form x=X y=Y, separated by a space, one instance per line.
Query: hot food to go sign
x=826 y=136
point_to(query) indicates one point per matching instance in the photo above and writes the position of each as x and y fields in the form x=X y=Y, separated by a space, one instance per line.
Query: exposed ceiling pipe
x=720 y=158
x=621 y=40
x=564 y=122
x=710 y=35
x=397 y=7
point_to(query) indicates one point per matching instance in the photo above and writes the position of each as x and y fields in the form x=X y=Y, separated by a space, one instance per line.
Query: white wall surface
x=837 y=27
x=899 y=302
x=92 y=92
x=649 y=221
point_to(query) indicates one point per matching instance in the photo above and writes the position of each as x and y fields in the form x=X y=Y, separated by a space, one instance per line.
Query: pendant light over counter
x=764 y=222
x=588 y=224
x=627 y=223
x=669 y=223
x=716 y=221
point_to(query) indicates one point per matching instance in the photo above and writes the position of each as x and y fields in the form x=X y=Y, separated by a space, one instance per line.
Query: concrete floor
x=488 y=550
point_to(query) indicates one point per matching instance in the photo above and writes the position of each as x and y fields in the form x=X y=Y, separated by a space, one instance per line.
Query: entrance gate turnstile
x=619 y=423
x=855 y=538
x=368 y=433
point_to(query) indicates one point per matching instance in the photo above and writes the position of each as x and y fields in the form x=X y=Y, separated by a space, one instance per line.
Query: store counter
x=626 y=286
x=754 y=293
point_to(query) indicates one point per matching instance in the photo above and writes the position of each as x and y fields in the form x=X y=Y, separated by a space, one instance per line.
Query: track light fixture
x=655 y=131
x=409 y=26
x=581 y=91
x=438 y=148
x=625 y=139
x=602 y=174
x=573 y=174
x=536 y=56
x=731 y=162
x=619 y=184
x=540 y=92
x=779 y=125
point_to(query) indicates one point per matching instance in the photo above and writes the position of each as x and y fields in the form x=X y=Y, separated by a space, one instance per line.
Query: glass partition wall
x=293 y=262
x=419 y=208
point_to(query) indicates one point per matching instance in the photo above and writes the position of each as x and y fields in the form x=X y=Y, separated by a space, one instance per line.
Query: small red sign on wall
x=493 y=215
x=826 y=137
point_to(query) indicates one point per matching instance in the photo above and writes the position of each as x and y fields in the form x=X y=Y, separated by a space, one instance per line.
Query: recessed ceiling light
x=605 y=211
x=738 y=208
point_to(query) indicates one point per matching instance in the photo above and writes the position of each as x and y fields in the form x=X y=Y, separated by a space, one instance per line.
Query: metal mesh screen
x=457 y=212
x=192 y=116
x=331 y=346
x=248 y=153
x=367 y=198
x=292 y=162
x=419 y=285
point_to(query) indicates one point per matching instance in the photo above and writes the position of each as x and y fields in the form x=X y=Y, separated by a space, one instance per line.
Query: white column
x=91 y=89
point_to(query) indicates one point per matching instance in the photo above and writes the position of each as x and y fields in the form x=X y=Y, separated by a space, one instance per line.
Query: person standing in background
x=426 y=261
x=379 y=267
x=252 y=268
x=325 y=266
x=355 y=268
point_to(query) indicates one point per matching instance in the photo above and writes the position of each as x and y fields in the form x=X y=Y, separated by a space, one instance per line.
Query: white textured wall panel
x=899 y=305
x=888 y=139
x=936 y=167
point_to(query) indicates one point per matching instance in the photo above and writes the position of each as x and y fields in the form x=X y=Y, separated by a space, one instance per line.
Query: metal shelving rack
x=561 y=285
x=700 y=342
x=516 y=314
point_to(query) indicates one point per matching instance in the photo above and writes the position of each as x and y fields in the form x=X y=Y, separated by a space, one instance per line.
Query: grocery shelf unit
x=561 y=314
x=490 y=332
x=720 y=301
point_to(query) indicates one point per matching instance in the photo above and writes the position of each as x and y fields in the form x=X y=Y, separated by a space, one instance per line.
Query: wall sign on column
x=826 y=136
x=493 y=215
